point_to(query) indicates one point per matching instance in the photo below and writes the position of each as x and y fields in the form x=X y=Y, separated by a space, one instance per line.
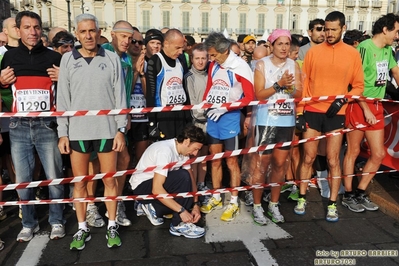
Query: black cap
x=241 y=37
x=153 y=34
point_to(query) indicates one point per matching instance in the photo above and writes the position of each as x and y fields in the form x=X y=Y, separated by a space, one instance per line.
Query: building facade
x=199 y=17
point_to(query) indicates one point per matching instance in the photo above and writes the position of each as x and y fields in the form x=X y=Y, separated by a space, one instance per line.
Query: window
x=279 y=21
x=146 y=19
x=223 y=21
x=119 y=14
x=261 y=22
x=166 y=18
x=186 y=20
x=361 y=23
x=98 y=12
x=243 y=22
x=205 y=21
x=76 y=11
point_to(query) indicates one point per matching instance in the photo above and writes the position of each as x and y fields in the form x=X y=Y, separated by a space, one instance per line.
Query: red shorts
x=355 y=116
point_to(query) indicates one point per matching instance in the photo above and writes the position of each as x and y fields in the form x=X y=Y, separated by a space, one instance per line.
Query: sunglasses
x=136 y=41
x=320 y=28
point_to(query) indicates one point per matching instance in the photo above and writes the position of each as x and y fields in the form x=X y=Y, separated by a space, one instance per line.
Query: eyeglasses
x=320 y=28
x=136 y=41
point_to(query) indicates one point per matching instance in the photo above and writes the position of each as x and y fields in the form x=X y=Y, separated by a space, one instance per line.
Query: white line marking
x=34 y=250
x=244 y=229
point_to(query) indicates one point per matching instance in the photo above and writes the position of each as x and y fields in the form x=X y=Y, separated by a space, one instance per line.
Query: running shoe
x=79 y=239
x=93 y=218
x=3 y=214
x=352 y=204
x=139 y=209
x=258 y=215
x=113 y=239
x=205 y=198
x=212 y=204
x=294 y=195
x=1 y=244
x=274 y=212
x=286 y=187
x=230 y=213
x=152 y=214
x=300 y=206
x=57 y=231
x=188 y=230
x=249 y=198
x=121 y=217
x=26 y=234
x=267 y=196
x=332 y=213
x=365 y=201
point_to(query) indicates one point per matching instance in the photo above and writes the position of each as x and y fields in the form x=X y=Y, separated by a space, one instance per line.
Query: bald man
x=122 y=35
x=10 y=29
x=53 y=32
x=164 y=78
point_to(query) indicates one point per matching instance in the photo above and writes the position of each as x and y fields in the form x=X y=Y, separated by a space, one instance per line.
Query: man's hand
x=119 y=142
x=196 y=213
x=335 y=107
x=300 y=123
x=53 y=73
x=215 y=113
x=7 y=76
x=186 y=217
x=63 y=145
x=369 y=117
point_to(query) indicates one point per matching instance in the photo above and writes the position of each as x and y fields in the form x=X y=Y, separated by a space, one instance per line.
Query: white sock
x=217 y=196
x=234 y=199
x=273 y=203
x=83 y=226
x=111 y=223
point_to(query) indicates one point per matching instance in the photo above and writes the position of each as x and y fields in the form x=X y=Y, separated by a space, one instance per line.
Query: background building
x=199 y=17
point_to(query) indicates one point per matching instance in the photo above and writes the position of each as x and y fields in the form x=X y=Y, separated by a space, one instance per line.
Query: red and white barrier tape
x=61 y=181
x=177 y=195
x=180 y=107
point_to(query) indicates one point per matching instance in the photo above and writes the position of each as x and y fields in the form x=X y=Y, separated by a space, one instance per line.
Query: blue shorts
x=227 y=127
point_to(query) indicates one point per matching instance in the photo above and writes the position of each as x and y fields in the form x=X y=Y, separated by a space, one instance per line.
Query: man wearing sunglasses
x=316 y=36
x=122 y=35
x=63 y=42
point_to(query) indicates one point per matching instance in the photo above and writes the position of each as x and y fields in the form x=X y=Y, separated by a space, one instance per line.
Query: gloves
x=300 y=123
x=335 y=107
x=215 y=113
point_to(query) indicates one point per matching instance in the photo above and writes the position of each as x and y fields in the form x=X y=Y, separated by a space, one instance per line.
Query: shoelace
x=79 y=234
x=112 y=231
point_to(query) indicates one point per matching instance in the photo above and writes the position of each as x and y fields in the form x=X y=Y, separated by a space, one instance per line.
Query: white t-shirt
x=159 y=153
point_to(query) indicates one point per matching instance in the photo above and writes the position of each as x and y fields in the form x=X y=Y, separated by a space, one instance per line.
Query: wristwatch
x=181 y=210
x=122 y=130
x=276 y=87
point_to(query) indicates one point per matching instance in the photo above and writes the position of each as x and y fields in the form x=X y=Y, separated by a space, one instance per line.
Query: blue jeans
x=26 y=136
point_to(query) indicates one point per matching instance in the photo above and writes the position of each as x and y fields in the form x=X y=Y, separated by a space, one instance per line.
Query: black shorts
x=5 y=147
x=138 y=131
x=265 y=135
x=230 y=144
x=88 y=146
x=321 y=123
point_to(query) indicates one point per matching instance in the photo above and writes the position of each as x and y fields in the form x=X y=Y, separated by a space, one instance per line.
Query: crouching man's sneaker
x=188 y=230
x=26 y=233
x=57 y=231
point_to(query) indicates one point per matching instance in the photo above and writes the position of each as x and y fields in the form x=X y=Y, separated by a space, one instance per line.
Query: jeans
x=28 y=135
x=177 y=181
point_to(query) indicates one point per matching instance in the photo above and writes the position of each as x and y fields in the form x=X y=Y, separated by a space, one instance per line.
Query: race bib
x=33 y=100
x=219 y=92
x=281 y=109
x=175 y=92
x=382 y=72
x=137 y=101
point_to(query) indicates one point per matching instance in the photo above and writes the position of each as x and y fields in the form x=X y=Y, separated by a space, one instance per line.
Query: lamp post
x=69 y=14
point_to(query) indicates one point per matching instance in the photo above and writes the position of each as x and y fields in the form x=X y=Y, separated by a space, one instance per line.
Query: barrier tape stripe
x=177 y=195
x=61 y=181
x=181 y=107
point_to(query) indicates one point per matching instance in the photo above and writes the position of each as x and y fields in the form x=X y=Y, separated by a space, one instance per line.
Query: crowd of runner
x=62 y=72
